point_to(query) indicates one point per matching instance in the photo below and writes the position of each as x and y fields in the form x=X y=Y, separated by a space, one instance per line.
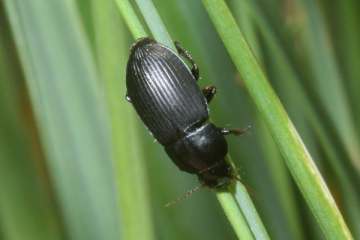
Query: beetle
x=165 y=94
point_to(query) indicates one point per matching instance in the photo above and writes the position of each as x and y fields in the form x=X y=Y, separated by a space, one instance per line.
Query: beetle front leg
x=235 y=131
x=209 y=92
x=184 y=53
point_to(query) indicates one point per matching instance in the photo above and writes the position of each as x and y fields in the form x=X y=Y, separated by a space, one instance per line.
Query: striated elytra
x=164 y=93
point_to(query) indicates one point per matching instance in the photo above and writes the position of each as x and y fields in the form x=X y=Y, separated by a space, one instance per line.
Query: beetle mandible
x=164 y=93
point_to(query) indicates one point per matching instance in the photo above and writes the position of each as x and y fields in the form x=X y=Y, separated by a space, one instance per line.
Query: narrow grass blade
x=154 y=22
x=26 y=210
x=291 y=218
x=289 y=142
x=20 y=183
x=85 y=11
x=279 y=210
x=327 y=79
x=296 y=99
x=70 y=113
x=239 y=199
x=131 y=20
x=347 y=15
x=130 y=162
x=244 y=16
x=238 y=222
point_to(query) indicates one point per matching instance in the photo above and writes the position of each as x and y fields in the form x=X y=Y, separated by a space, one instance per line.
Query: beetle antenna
x=185 y=196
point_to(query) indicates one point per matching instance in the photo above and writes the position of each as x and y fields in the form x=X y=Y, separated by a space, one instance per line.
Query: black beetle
x=164 y=92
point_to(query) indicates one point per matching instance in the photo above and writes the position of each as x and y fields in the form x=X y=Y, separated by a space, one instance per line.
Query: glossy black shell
x=163 y=91
x=167 y=98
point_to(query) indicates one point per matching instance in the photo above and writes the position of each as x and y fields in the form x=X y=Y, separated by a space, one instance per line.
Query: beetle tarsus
x=209 y=92
x=186 y=54
x=235 y=131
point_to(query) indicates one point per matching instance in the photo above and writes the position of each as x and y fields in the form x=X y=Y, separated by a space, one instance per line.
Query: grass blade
x=279 y=209
x=348 y=36
x=131 y=20
x=239 y=199
x=327 y=80
x=296 y=99
x=289 y=142
x=110 y=37
x=21 y=183
x=69 y=109
x=238 y=222
x=154 y=22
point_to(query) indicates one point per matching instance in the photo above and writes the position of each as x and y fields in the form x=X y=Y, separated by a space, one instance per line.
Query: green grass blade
x=288 y=212
x=154 y=22
x=20 y=185
x=110 y=37
x=85 y=11
x=279 y=210
x=254 y=224
x=70 y=113
x=131 y=20
x=295 y=97
x=348 y=36
x=327 y=79
x=289 y=142
x=244 y=16
x=21 y=182
x=239 y=199
x=238 y=222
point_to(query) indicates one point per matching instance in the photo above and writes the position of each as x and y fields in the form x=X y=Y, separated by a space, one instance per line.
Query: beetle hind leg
x=184 y=53
x=209 y=92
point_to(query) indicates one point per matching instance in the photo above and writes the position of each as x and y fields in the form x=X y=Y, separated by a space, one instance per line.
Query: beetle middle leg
x=209 y=92
x=235 y=131
x=184 y=53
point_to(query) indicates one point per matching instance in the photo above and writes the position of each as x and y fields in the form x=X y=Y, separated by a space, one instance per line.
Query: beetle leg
x=184 y=53
x=209 y=92
x=235 y=131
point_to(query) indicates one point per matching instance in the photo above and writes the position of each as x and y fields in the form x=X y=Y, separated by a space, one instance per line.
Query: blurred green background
x=77 y=163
